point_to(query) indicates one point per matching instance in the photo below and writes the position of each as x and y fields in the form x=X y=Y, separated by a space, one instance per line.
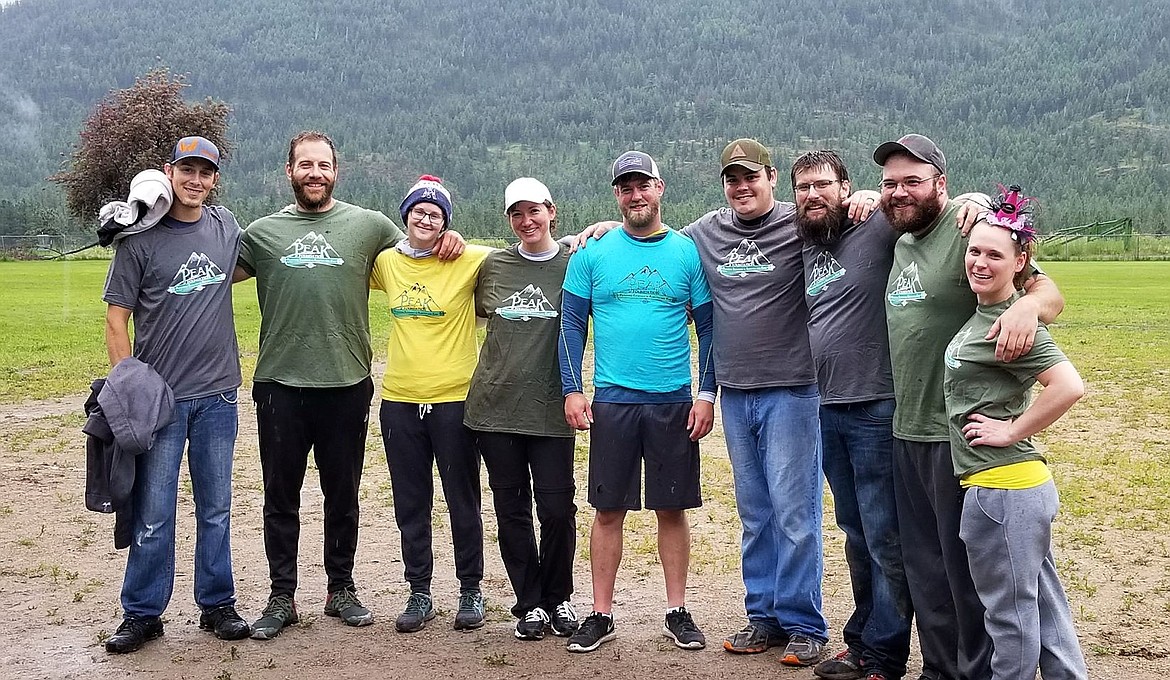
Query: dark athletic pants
x=332 y=422
x=417 y=436
x=520 y=467
x=954 y=642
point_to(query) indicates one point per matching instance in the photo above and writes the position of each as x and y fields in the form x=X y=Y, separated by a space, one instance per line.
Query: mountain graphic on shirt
x=311 y=250
x=196 y=273
x=415 y=301
x=745 y=259
x=527 y=304
x=826 y=269
x=951 y=355
x=644 y=284
x=908 y=288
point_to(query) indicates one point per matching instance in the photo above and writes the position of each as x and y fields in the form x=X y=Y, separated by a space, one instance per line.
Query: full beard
x=642 y=219
x=308 y=203
x=917 y=221
x=823 y=231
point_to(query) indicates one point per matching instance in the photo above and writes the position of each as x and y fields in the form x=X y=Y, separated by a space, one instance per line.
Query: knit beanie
x=428 y=189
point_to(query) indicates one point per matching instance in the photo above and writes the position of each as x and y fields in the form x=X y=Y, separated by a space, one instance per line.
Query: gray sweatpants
x=1008 y=533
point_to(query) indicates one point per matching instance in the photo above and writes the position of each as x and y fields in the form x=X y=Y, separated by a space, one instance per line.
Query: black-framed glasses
x=890 y=186
x=820 y=185
x=424 y=216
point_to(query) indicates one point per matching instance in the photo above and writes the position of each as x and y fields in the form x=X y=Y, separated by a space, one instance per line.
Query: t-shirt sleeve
x=700 y=293
x=246 y=260
x=390 y=233
x=124 y=279
x=1044 y=355
x=578 y=277
x=381 y=271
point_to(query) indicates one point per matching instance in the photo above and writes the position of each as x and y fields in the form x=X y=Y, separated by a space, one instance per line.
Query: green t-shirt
x=517 y=385
x=927 y=301
x=976 y=382
x=312 y=273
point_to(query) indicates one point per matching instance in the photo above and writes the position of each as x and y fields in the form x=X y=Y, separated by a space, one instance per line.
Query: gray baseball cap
x=635 y=161
x=917 y=146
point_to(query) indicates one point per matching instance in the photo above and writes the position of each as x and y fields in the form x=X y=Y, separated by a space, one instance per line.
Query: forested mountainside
x=1067 y=98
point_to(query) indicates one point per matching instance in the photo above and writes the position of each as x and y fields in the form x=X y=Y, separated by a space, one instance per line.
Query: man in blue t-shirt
x=637 y=287
x=173 y=280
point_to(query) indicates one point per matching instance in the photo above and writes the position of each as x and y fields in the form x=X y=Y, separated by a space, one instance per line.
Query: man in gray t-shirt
x=172 y=279
x=845 y=270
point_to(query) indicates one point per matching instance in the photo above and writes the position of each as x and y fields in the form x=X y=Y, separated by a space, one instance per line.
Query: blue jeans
x=206 y=427
x=774 y=442
x=859 y=464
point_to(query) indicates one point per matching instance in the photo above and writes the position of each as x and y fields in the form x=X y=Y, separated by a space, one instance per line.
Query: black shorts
x=622 y=436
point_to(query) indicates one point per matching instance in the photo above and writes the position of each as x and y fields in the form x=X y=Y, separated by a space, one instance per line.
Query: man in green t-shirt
x=312 y=384
x=928 y=300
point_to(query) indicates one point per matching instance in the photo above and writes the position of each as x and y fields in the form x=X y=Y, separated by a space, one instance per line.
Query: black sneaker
x=531 y=627
x=419 y=610
x=753 y=639
x=563 y=620
x=847 y=665
x=225 y=623
x=681 y=628
x=595 y=630
x=133 y=633
x=471 y=610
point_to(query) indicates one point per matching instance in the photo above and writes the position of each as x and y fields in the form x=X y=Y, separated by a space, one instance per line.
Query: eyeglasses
x=890 y=186
x=819 y=185
x=423 y=216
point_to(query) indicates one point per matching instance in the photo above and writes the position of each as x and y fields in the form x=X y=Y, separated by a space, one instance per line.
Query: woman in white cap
x=517 y=412
x=430 y=358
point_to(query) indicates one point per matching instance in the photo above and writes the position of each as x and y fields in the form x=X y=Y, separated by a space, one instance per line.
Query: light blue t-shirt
x=638 y=293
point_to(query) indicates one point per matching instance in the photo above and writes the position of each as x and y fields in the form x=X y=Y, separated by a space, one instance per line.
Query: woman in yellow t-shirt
x=430 y=358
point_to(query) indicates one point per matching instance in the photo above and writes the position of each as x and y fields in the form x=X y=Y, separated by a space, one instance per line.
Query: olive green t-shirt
x=312 y=274
x=517 y=385
x=927 y=301
x=976 y=382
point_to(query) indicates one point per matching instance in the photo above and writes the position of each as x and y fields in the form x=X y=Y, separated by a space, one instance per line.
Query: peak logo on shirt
x=826 y=269
x=415 y=301
x=644 y=284
x=311 y=250
x=527 y=304
x=907 y=288
x=745 y=259
x=951 y=355
x=195 y=274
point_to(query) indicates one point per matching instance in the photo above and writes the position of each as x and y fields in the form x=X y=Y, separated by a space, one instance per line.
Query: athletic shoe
x=876 y=675
x=471 y=610
x=681 y=628
x=531 y=627
x=419 y=610
x=595 y=630
x=847 y=665
x=753 y=639
x=280 y=613
x=133 y=633
x=802 y=651
x=563 y=620
x=225 y=623
x=345 y=605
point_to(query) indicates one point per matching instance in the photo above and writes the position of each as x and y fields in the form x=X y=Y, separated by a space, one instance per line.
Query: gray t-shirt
x=755 y=272
x=845 y=287
x=176 y=280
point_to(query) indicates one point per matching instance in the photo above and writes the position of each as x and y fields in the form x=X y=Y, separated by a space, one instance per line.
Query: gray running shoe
x=681 y=628
x=471 y=610
x=280 y=613
x=802 y=651
x=419 y=610
x=345 y=605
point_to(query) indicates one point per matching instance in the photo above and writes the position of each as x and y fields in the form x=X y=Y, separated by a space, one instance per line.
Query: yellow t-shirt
x=431 y=353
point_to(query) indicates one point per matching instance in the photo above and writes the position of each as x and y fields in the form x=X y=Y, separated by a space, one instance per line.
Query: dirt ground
x=60 y=579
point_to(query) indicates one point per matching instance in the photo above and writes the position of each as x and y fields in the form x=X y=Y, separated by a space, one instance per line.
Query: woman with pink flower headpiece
x=1010 y=500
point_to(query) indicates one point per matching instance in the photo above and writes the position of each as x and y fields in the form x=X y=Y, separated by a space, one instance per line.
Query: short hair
x=820 y=159
x=310 y=136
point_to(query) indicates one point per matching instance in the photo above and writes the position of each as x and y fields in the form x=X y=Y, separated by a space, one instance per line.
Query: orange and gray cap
x=196 y=147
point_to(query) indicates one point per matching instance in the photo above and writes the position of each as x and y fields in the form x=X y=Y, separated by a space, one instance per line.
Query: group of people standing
x=855 y=335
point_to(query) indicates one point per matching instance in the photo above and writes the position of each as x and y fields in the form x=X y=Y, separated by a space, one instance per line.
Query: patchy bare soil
x=60 y=579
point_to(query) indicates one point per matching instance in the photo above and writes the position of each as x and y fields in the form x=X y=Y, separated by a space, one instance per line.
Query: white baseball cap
x=525 y=189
